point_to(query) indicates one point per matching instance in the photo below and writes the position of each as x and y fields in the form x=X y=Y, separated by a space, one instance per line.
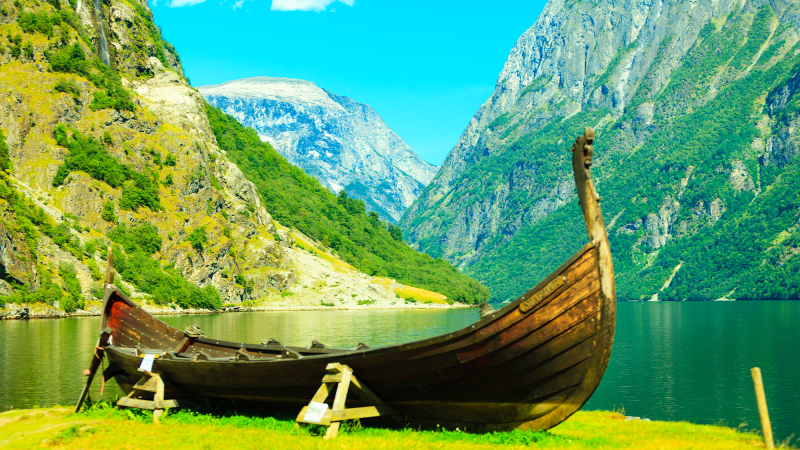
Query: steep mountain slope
x=343 y=143
x=337 y=222
x=124 y=153
x=695 y=156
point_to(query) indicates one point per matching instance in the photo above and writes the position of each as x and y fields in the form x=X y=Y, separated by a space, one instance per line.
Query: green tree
x=111 y=93
x=5 y=160
x=396 y=232
x=28 y=49
x=142 y=237
x=69 y=59
x=74 y=300
x=88 y=155
x=198 y=238
x=68 y=86
x=109 y=214
x=165 y=285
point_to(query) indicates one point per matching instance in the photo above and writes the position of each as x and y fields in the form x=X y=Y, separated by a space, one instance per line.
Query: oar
x=99 y=353
x=96 y=359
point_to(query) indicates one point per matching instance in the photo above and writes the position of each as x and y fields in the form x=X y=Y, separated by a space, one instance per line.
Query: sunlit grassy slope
x=114 y=429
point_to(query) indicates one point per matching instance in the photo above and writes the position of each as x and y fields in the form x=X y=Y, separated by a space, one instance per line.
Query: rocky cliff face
x=53 y=232
x=343 y=143
x=690 y=103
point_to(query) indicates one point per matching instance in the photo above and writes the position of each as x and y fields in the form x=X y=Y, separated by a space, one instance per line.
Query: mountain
x=696 y=114
x=104 y=142
x=343 y=143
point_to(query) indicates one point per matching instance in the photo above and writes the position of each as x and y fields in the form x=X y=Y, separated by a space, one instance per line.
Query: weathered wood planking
x=530 y=364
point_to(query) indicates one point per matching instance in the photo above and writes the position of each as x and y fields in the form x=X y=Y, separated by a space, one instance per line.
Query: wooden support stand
x=97 y=358
x=342 y=377
x=152 y=383
x=104 y=336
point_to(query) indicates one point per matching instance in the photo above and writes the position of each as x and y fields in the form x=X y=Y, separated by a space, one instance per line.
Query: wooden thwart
x=343 y=378
x=152 y=383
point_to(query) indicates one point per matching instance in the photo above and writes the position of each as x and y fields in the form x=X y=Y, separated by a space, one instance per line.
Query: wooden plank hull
x=529 y=365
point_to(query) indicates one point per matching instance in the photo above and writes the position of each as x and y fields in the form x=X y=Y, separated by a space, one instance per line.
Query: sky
x=424 y=66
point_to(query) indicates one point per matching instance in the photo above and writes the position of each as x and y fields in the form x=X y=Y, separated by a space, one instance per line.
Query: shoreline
x=191 y=429
x=12 y=311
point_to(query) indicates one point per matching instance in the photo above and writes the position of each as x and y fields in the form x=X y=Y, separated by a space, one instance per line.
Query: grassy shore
x=104 y=427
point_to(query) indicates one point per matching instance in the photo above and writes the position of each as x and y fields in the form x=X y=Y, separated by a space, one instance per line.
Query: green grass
x=105 y=427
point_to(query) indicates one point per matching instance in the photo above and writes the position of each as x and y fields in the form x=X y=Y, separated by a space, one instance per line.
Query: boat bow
x=529 y=365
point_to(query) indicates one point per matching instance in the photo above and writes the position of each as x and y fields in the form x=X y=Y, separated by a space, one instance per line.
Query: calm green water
x=671 y=361
x=691 y=361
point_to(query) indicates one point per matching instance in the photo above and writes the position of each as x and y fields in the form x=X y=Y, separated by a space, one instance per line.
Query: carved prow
x=582 y=151
x=590 y=204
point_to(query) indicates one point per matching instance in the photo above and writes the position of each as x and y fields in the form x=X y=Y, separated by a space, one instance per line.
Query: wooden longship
x=529 y=365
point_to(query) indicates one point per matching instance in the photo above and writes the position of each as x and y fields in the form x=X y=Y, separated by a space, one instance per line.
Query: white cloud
x=238 y=5
x=182 y=3
x=303 y=5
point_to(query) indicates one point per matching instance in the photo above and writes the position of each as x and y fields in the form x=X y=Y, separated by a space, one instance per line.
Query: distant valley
x=343 y=143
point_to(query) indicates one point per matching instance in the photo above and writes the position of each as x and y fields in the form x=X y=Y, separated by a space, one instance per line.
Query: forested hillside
x=696 y=115
x=342 y=223
x=103 y=141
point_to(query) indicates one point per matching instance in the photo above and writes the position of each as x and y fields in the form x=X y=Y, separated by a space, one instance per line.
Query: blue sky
x=424 y=66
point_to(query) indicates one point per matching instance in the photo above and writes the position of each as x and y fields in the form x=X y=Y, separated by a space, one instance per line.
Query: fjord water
x=671 y=361
x=691 y=361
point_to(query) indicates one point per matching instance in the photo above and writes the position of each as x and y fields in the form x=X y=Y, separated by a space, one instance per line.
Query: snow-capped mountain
x=343 y=143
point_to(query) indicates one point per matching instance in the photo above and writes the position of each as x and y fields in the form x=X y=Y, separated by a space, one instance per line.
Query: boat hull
x=530 y=364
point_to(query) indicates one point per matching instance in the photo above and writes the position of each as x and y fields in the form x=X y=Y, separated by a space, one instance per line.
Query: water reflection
x=671 y=361
x=691 y=361
x=41 y=361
